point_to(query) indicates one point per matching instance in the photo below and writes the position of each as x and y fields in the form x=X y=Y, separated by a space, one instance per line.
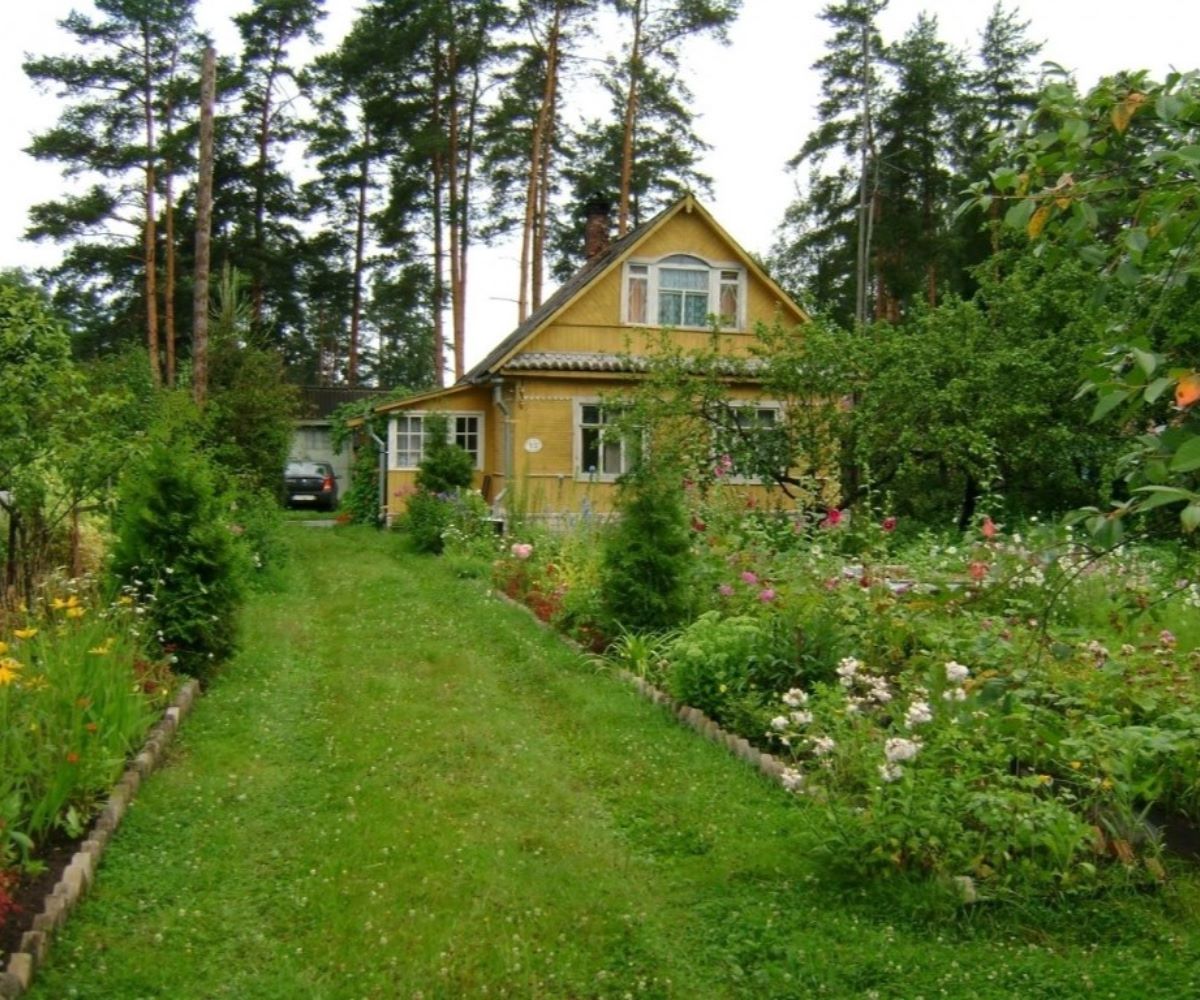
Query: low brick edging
x=79 y=874
x=768 y=764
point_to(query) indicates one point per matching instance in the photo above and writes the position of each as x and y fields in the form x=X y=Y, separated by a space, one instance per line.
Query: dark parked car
x=310 y=484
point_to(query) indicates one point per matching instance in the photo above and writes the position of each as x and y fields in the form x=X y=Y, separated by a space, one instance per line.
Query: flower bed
x=1002 y=712
x=77 y=696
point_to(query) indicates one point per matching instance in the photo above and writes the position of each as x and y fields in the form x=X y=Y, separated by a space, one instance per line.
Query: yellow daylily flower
x=25 y=633
x=3 y=648
x=10 y=669
x=76 y=612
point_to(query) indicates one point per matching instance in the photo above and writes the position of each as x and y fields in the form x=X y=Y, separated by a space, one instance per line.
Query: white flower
x=956 y=673
x=801 y=718
x=792 y=779
x=918 y=714
x=846 y=669
x=780 y=722
x=954 y=694
x=822 y=746
x=879 y=690
x=795 y=698
x=898 y=748
x=891 y=772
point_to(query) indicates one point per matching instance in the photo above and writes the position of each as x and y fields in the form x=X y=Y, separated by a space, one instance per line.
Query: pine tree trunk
x=533 y=234
x=454 y=208
x=169 y=290
x=542 y=209
x=204 y=200
x=360 y=241
x=258 y=271
x=149 y=231
x=630 y=120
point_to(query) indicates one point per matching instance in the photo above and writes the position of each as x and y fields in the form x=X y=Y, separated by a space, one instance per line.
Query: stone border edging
x=79 y=874
x=768 y=764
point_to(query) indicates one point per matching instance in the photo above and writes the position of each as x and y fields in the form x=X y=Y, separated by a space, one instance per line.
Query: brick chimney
x=596 y=227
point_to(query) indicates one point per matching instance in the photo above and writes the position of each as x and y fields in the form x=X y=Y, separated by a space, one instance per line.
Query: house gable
x=588 y=315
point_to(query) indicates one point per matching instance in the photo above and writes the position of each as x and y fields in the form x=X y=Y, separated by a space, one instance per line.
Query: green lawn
x=404 y=788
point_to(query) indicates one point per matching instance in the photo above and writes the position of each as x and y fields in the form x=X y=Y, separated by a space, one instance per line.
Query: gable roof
x=595 y=268
x=564 y=294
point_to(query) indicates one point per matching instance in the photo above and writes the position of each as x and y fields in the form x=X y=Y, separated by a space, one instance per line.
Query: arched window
x=682 y=290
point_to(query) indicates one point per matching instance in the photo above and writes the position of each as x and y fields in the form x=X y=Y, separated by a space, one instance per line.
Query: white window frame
x=717 y=271
x=767 y=404
x=577 y=428
x=451 y=417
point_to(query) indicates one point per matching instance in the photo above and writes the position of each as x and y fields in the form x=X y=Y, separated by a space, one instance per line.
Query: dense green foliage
x=1110 y=181
x=644 y=577
x=176 y=551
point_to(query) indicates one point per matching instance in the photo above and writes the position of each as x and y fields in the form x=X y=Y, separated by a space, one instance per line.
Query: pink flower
x=749 y=578
x=725 y=590
x=832 y=518
x=766 y=595
x=698 y=524
x=889 y=524
x=522 y=550
x=978 y=570
x=988 y=527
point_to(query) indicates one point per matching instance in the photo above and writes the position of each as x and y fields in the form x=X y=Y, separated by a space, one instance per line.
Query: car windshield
x=307 y=469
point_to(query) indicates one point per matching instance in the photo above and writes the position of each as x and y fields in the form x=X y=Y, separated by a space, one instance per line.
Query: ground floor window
x=602 y=451
x=744 y=443
x=408 y=441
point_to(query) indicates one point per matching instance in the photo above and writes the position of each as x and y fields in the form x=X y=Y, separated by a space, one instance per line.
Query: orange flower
x=1187 y=390
x=72 y=757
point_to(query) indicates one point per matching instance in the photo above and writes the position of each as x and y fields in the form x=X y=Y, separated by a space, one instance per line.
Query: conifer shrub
x=646 y=562
x=175 y=550
x=445 y=472
x=445 y=467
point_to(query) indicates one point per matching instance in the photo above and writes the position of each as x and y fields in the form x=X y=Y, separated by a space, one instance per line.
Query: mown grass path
x=403 y=788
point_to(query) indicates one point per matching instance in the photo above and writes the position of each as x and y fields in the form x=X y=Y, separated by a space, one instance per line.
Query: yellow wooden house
x=532 y=411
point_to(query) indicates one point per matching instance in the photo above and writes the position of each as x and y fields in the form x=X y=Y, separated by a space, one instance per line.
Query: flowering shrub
x=76 y=696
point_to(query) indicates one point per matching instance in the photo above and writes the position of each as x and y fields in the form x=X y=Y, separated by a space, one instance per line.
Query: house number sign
x=533 y=445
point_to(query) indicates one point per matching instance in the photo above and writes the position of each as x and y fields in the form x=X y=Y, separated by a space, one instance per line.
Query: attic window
x=682 y=291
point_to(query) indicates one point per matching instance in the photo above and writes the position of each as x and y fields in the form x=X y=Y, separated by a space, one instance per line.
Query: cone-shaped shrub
x=175 y=550
x=646 y=554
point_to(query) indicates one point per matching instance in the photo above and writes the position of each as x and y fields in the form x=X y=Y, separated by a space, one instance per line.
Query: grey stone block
x=20 y=965
x=145 y=763
x=10 y=986
x=72 y=883
x=86 y=865
x=35 y=944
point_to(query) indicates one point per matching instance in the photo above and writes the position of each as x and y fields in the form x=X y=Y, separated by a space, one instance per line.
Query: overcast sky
x=755 y=98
